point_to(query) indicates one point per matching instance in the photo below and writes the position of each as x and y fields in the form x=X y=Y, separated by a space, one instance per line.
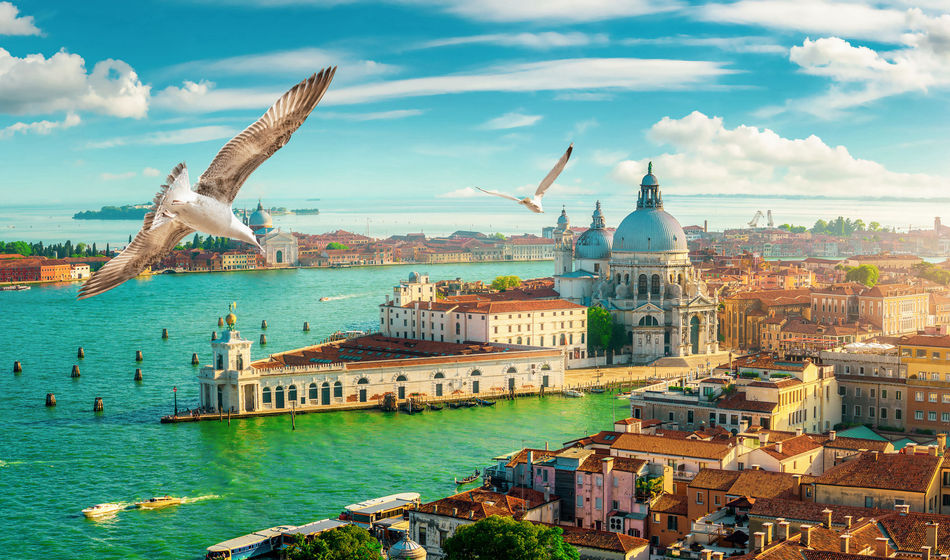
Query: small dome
x=649 y=180
x=407 y=548
x=563 y=220
x=260 y=218
x=593 y=244
x=413 y=276
x=649 y=230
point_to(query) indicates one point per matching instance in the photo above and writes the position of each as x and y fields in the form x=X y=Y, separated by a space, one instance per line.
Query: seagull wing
x=148 y=247
x=249 y=149
x=552 y=175
x=496 y=193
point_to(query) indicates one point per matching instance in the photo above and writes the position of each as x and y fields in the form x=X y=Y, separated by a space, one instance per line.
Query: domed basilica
x=643 y=276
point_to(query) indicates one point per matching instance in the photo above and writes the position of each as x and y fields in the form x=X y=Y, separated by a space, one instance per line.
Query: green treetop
x=503 y=283
x=344 y=543
x=867 y=274
x=503 y=538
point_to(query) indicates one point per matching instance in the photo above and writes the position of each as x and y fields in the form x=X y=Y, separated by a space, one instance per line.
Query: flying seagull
x=179 y=211
x=534 y=203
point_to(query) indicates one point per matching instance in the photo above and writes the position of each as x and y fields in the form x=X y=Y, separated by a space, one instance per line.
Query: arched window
x=362 y=381
x=265 y=395
x=458 y=328
x=279 y=397
x=338 y=390
x=439 y=375
x=312 y=393
x=648 y=321
x=511 y=370
x=280 y=257
x=563 y=340
x=292 y=393
x=681 y=282
x=519 y=340
x=400 y=379
x=220 y=361
x=626 y=279
x=655 y=284
x=476 y=372
x=546 y=367
x=325 y=393
x=240 y=361
x=642 y=284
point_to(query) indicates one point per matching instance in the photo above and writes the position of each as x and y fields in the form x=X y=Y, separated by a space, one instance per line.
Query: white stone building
x=643 y=276
x=280 y=248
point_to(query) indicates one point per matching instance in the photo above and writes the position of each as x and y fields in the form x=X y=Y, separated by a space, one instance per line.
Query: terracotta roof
x=750 y=482
x=811 y=512
x=480 y=503
x=670 y=504
x=642 y=443
x=792 y=447
x=714 y=479
x=787 y=382
x=536 y=455
x=857 y=444
x=909 y=531
x=888 y=471
x=926 y=340
x=892 y=290
x=603 y=540
x=739 y=401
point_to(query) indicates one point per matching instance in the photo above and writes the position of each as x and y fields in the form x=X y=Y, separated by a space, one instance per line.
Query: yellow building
x=884 y=481
x=743 y=315
x=928 y=382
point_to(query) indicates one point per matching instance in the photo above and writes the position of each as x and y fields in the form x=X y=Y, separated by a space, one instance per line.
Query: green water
x=257 y=472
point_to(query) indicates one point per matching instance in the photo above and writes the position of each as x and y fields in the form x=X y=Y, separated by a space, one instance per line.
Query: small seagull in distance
x=534 y=203
x=179 y=211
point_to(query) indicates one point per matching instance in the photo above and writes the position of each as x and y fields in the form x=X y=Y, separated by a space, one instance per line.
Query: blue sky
x=99 y=100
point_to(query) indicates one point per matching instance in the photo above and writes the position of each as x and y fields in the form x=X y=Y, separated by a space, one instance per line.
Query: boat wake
x=187 y=500
x=348 y=296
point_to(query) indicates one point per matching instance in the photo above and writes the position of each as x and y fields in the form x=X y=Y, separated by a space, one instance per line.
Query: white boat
x=364 y=514
x=623 y=395
x=252 y=545
x=101 y=510
x=573 y=394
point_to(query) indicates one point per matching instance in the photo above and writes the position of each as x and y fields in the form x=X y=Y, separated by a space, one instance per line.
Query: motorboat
x=15 y=288
x=573 y=394
x=252 y=545
x=624 y=395
x=324 y=298
x=158 y=502
x=101 y=510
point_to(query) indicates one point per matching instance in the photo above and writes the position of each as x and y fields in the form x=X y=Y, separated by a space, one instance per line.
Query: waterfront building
x=238 y=260
x=80 y=271
x=432 y=523
x=643 y=277
x=280 y=248
x=872 y=383
x=927 y=359
x=415 y=312
x=892 y=308
x=359 y=372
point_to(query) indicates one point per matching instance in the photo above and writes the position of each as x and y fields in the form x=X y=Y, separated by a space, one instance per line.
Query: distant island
x=127 y=212
x=306 y=211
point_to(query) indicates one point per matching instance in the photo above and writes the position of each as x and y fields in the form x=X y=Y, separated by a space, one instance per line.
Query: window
x=932 y=397
x=338 y=390
x=898 y=414
x=921 y=353
x=699 y=497
x=716 y=499
x=672 y=523
x=897 y=395
x=945 y=416
x=932 y=416
x=265 y=395
x=598 y=503
x=580 y=480
x=883 y=413
x=671 y=416
x=883 y=393
x=868 y=501
x=580 y=501
x=871 y=393
x=918 y=415
x=842 y=390
x=946 y=398
x=871 y=410
x=656 y=517
x=857 y=410
x=919 y=396
x=857 y=392
x=422 y=535
x=599 y=481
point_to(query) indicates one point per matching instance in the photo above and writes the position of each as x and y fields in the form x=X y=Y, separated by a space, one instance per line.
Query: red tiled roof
x=670 y=504
x=926 y=340
x=642 y=443
x=888 y=471
x=792 y=447
x=603 y=540
x=739 y=401
x=811 y=512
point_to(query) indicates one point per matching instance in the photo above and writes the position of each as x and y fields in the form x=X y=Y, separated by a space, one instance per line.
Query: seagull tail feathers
x=176 y=185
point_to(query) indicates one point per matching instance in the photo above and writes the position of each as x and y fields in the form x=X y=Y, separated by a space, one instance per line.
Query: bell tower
x=230 y=362
x=563 y=245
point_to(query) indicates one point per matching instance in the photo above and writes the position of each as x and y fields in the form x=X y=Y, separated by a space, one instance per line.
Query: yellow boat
x=158 y=502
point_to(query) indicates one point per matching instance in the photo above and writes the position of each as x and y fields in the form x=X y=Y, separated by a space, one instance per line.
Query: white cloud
x=583 y=126
x=374 y=116
x=40 y=127
x=151 y=172
x=828 y=17
x=36 y=84
x=11 y=23
x=511 y=120
x=167 y=137
x=540 y=41
x=117 y=176
x=465 y=192
x=739 y=44
x=583 y=96
x=303 y=61
x=551 y=75
x=708 y=158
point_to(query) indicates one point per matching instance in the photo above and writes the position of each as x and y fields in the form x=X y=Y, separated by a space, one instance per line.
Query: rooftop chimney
x=902 y=508
x=763 y=439
x=767 y=529
x=455 y=512
x=706 y=554
x=832 y=435
x=798 y=431
x=778 y=447
x=717 y=555
x=847 y=521
x=941 y=443
x=806 y=535
x=881 y=549
x=827 y=513
x=932 y=535
x=845 y=538
x=783 y=527
x=760 y=541
x=529 y=470
x=925 y=552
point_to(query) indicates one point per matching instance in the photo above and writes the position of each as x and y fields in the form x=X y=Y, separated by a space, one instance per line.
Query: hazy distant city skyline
x=433 y=98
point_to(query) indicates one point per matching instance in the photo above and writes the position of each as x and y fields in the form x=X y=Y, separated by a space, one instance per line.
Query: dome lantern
x=649 y=229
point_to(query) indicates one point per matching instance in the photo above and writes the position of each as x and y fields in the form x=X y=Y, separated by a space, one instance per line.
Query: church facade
x=643 y=276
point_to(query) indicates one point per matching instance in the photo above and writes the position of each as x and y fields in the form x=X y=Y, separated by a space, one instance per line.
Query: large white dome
x=649 y=229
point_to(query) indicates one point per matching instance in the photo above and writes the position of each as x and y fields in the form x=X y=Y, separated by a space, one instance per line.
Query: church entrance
x=694 y=334
x=279 y=257
x=250 y=391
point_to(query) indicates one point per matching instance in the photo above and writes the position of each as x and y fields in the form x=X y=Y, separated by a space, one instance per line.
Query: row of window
x=932 y=397
x=898 y=413
x=846 y=369
x=932 y=416
x=859 y=392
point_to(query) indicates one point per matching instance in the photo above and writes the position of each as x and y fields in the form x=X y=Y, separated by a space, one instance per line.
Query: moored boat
x=623 y=395
x=252 y=545
x=366 y=513
x=101 y=510
x=573 y=394
x=468 y=479
x=15 y=288
x=483 y=402
x=158 y=502
x=597 y=390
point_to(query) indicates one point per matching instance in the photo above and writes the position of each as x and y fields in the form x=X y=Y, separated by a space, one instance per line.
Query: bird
x=178 y=210
x=534 y=203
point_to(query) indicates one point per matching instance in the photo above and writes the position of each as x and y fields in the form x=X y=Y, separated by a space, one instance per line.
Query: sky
x=801 y=98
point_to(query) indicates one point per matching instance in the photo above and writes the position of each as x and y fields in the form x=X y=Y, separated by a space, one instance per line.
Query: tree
x=599 y=329
x=874 y=226
x=500 y=236
x=503 y=538
x=349 y=542
x=333 y=246
x=867 y=274
x=502 y=283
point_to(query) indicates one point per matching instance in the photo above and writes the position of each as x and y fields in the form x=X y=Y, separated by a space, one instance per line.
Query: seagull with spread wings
x=534 y=203
x=179 y=211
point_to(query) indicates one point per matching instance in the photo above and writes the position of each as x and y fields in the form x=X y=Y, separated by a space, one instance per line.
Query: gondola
x=468 y=479
x=483 y=402
x=436 y=406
